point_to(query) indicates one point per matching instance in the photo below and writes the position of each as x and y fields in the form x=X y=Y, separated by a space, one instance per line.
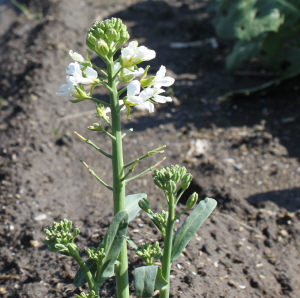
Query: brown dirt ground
x=244 y=152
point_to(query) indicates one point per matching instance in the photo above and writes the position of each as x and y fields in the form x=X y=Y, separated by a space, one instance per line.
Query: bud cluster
x=96 y=254
x=150 y=253
x=60 y=237
x=107 y=36
x=159 y=219
x=92 y=294
x=168 y=178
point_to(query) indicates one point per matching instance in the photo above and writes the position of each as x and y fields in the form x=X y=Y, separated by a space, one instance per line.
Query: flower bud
x=96 y=127
x=111 y=31
x=144 y=205
x=111 y=34
x=192 y=200
x=102 y=48
x=171 y=187
x=186 y=181
x=91 y=41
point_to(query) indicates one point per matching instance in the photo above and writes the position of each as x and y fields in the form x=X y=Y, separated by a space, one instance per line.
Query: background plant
x=265 y=30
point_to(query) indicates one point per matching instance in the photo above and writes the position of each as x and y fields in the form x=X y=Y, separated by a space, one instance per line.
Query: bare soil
x=243 y=152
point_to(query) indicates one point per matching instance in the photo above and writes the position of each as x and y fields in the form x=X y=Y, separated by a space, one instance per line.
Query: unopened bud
x=192 y=200
x=112 y=35
x=186 y=181
x=96 y=127
x=144 y=205
x=171 y=187
x=102 y=48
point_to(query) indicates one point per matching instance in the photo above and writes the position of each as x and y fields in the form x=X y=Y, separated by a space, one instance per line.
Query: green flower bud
x=192 y=200
x=111 y=31
x=144 y=205
x=111 y=34
x=186 y=181
x=171 y=187
x=96 y=127
x=91 y=41
x=102 y=48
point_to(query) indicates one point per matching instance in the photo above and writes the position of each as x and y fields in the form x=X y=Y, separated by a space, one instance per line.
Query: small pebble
x=40 y=217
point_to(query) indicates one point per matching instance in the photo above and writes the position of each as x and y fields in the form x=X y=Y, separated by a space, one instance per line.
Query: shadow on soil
x=206 y=79
x=288 y=199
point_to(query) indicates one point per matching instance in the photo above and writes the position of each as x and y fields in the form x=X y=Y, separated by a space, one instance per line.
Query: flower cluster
x=77 y=76
x=142 y=91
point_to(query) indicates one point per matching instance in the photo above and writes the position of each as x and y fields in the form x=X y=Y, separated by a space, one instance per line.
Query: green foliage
x=132 y=206
x=102 y=259
x=144 y=280
x=267 y=30
x=191 y=225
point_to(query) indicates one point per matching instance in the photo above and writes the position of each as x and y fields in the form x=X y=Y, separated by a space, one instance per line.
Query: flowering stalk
x=142 y=91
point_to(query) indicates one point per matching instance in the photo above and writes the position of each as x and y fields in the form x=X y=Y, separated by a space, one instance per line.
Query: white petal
x=76 y=56
x=147 y=93
x=162 y=99
x=91 y=73
x=136 y=100
x=117 y=65
x=66 y=90
x=133 y=45
x=139 y=72
x=161 y=73
x=167 y=81
x=145 y=54
x=133 y=88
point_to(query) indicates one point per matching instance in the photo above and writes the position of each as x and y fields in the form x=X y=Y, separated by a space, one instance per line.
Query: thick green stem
x=166 y=261
x=118 y=184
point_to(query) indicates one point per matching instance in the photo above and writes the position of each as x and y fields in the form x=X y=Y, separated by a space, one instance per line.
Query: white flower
x=160 y=79
x=133 y=54
x=75 y=70
x=139 y=99
x=67 y=89
x=76 y=56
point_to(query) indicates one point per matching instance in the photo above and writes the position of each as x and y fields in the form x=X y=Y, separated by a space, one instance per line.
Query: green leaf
x=160 y=282
x=191 y=225
x=242 y=51
x=132 y=204
x=247 y=19
x=144 y=280
x=112 y=244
